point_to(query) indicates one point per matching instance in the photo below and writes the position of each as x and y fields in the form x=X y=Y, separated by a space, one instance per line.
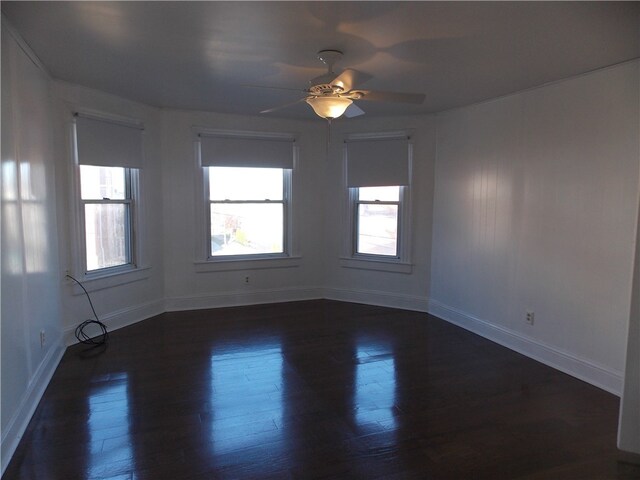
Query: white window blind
x=218 y=151
x=108 y=144
x=377 y=162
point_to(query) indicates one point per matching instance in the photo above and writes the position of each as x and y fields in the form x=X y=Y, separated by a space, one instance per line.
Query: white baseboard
x=597 y=375
x=242 y=298
x=378 y=298
x=121 y=318
x=18 y=424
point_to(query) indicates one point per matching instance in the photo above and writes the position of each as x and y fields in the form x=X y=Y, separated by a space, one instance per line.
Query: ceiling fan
x=331 y=96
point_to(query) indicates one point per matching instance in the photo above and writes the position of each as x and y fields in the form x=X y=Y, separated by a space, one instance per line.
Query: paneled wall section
x=535 y=210
x=30 y=268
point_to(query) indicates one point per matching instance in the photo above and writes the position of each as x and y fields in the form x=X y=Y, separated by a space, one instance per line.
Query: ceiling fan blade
x=276 y=88
x=349 y=78
x=283 y=106
x=353 y=110
x=377 y=96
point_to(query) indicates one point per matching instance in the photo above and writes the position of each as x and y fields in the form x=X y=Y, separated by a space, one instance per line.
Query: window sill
x=109 y=280
x=375 y=264
x=229 y=265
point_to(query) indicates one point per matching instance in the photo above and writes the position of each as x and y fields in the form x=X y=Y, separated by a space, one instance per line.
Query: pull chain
x=328 y=137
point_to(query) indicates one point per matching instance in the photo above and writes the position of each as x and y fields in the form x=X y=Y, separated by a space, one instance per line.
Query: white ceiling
x=196 y=55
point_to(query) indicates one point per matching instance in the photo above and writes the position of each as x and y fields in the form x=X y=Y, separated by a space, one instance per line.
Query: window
x=109 y=157
x=247 y=189
x=106 y=204
x=377 y=216
x=378 y=174
x=247 y=210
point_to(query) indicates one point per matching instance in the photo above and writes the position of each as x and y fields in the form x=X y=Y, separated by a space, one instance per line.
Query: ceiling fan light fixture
x=329 y=107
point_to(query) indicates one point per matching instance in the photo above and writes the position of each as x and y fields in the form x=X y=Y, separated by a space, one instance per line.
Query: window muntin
x=377 y=216
x=106 y=197
x=247 y=211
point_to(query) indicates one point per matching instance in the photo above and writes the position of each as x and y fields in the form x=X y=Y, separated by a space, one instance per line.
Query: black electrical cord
x=81 y=335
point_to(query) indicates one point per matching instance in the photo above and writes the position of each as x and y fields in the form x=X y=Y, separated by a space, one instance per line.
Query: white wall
x=126 y=298
x=535 y=209
x=629 y=427
x=30 y=266
x=393 y=289
x=187 y=286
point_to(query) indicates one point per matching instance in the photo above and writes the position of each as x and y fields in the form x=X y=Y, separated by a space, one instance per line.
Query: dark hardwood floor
x=316 y=389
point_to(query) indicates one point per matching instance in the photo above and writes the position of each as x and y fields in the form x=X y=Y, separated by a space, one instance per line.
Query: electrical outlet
x=246 y=279
x=43 y=338
x=530 y=317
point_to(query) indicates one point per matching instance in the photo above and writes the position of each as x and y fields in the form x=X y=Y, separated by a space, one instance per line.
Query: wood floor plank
x=314 y=390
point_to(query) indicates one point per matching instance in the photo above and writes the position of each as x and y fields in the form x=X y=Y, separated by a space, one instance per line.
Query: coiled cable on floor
x=81 y=335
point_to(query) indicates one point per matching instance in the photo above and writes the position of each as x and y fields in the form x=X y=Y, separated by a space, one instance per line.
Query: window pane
x=106 y=235
x=232 y=183
x=377 y=229
x=246 y=229
x=97 y=183
x=383 y=194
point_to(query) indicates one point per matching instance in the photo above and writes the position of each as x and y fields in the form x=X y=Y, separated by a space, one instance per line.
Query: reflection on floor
x=109 y=425
x=316 y=389
x=246 y=396
x=375 y=386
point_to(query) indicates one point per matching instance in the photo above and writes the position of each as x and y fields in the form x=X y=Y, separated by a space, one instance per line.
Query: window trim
x=350 y=258
x=203 y=261
x=108 y=277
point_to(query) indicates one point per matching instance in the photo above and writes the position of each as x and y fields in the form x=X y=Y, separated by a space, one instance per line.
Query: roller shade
x=246 y=152
x=378 y=163
x=108 y=144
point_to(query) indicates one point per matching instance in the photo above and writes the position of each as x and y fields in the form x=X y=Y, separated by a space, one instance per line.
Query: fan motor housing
x=325 y=89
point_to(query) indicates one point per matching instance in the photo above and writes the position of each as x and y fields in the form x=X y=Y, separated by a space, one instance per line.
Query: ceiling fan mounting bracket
x=329 y=57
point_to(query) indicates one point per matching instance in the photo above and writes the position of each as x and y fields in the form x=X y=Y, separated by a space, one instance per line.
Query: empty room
x=320 y=240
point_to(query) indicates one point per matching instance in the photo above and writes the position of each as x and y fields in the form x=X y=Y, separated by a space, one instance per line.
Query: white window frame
x=401 y=262
x=205 y=262
x=131 y=181
x=286 y=220
x=356 y=224
x=136 y=268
